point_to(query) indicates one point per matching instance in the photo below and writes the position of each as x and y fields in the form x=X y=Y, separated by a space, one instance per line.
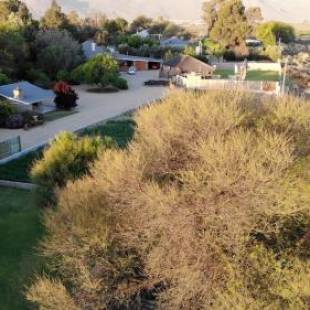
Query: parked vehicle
x=157 y=83
x=132 y=70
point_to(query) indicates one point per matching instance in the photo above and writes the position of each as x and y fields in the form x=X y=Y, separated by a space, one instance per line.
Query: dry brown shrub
x=48 y=295
x=177 y=208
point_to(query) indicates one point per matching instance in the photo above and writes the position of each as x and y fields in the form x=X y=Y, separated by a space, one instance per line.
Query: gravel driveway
x=92 y=109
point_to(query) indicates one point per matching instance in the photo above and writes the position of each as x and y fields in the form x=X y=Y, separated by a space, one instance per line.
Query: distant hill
x=286 y=10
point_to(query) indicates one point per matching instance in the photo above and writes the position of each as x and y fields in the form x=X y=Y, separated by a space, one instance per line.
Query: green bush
x=269 y=33
x=6 y=110
x=115 y=80
x=273 y=52
x=4 y=79
x=39 y=78
x=67 y=158
x=97 y=68
x=63 y=75
x=121 y=83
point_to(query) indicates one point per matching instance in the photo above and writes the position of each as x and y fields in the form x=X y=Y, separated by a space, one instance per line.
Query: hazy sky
x=288 y=10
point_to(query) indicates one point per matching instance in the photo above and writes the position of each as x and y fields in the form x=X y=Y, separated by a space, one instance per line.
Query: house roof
x=174 y=41
x=123 y=57
x=90 y=49
x=188 y=64
x=30 y=93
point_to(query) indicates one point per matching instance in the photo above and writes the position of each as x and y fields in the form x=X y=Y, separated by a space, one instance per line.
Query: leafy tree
x=114 y=26
x=210 y=12
x=141 y=23
x=96 y=68
x=4 y=79
x=254 y=15
x=213 y=48
x=14 y=51
x=54 y=18
x=57 y=50
x=102 y=37
x=271 y=32
x=74 y=19
x=231 y=27
x=14 y=12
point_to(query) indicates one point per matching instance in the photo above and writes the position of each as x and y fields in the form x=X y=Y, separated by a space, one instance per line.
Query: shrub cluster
x=66 y=97
x=67 y=158
x=12 y=119
x=206 y=209
x=6 y=111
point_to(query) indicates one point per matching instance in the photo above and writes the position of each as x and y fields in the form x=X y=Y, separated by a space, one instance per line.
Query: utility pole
x=284 y=76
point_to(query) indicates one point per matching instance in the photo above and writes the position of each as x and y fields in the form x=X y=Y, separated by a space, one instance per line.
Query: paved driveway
x=92 y=108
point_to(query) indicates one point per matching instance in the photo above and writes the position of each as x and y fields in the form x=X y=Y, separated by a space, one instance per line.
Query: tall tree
x=231 y=27
x=54 y=18
x=210 y=12
x=14 y=13
x=254 y=16
x=140 y=23
x=56 y=50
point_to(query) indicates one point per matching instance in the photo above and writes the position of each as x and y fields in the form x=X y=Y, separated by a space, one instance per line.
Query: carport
x=140 y=63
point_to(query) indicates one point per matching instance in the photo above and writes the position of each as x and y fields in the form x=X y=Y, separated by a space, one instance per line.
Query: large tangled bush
x=208 y=208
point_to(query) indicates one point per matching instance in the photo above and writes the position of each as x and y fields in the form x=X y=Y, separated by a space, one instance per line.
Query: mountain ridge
x=285 y=10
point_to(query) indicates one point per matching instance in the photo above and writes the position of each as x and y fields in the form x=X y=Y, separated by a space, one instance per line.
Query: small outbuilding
x=27 y=96
x=140 y=63
x=184 y=64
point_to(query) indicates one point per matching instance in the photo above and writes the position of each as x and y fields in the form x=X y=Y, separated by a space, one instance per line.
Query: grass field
x=252 y=75
x=261 y=75
x=53 y=115
x=224 y=73
x=20 y=231
x=18 y=170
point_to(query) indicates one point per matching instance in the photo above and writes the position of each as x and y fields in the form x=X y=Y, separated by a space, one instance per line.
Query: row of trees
x=229 y=23
x=46 y=49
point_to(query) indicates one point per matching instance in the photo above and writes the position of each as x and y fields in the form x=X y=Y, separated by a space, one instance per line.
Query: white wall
x=252 y=65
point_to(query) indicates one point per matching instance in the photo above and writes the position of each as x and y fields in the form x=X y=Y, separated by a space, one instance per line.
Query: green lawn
x=53 y=115
x=224 y=73
x=121 y=131
x=20 y=231
x=18 y=169
x=263 y=75
x=252 y=75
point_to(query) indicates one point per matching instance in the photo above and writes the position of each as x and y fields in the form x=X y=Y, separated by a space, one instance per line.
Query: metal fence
x=10 y=147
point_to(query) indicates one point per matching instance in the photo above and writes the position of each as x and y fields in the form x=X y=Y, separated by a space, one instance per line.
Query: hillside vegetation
x=207 y=208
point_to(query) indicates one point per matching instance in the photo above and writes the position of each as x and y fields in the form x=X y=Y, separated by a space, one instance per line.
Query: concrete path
x=92 y=109
x=19 y=185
